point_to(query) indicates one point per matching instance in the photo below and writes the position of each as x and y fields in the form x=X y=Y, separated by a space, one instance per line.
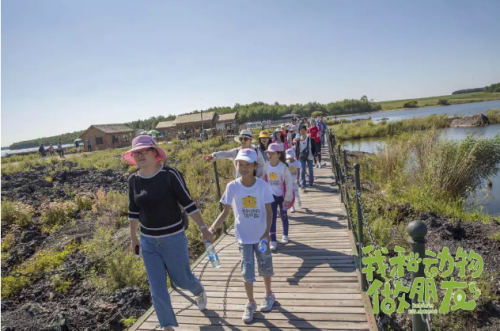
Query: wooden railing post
x=364 y=285
x=417 y=231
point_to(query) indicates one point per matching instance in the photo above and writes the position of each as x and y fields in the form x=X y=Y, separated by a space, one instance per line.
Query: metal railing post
x=364 y=285
x=417 y=231
x=345 y=161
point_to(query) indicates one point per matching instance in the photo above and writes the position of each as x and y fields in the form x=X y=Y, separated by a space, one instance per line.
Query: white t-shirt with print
x=249 y=207
x=275 y=176
x=293 y=167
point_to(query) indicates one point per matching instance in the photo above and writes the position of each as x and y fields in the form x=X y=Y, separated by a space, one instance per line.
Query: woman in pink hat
x=155 y=193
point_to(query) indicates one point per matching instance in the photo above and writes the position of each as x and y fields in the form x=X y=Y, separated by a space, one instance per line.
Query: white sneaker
x=299 y=203
x=201 y=301
x=285 y=239
x=267 y=303
x=248 y=313
x=273 y=245
x=292 y=210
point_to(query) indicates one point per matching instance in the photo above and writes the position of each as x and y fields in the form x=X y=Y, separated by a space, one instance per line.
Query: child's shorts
x=264 y=262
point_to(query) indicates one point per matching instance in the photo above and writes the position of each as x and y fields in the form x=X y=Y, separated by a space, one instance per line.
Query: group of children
x=267 y=184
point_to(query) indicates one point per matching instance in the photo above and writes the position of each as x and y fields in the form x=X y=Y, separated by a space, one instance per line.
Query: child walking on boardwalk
x=251 y=200
x=277 y=174
x=294 y=167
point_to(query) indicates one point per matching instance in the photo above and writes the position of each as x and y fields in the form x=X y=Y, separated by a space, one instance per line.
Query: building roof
x=165 y=125
x=227 y=117
x=192 y=118
x=290 y=116
x=111 y=128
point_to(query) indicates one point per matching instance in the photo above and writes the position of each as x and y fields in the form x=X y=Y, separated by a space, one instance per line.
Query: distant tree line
x=256 y=111
x=470 y=90
x=66 y=138
x=492 y=88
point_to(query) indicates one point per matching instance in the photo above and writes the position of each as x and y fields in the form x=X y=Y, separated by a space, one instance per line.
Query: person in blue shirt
x=322 y=128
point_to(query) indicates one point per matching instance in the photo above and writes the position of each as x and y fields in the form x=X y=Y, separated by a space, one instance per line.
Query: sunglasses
x=141 y=152
x=244 y=139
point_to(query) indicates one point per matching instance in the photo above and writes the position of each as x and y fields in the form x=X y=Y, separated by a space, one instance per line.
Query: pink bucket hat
x=274 y=147
x=143 y=142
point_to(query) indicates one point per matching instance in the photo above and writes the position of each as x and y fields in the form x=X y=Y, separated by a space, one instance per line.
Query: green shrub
x=493 y=116
x=42 y=261
x=16 y=213
x=411 y=104
x=60 y=284
x=443 y=102
x=56 y=214
x=83 y=202
x=8 y=242
x=128 y=322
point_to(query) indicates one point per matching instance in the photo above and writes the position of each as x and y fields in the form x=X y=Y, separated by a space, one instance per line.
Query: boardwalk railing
x=416 y=229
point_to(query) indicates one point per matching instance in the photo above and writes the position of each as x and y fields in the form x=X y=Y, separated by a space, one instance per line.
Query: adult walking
x=77 y=145
x=245 y=139
x=322 y=129
x=60 y=150
x=42 y=150
x=315 y=135
x=155 y=193
x=304 y=154
x=89 y=146
x=279 y=137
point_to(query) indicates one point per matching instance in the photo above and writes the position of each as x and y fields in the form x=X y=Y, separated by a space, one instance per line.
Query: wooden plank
x=278 y=308
x=151 y=326
x=282 y=302
x=283 y=288
x=280 y=295
x=271 y=316
x=330 y=325
x=259 y=283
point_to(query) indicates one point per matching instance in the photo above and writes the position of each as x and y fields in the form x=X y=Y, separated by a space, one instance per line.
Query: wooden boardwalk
x=316 y=283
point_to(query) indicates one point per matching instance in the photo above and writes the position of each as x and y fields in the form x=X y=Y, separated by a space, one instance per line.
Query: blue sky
x=69 y=64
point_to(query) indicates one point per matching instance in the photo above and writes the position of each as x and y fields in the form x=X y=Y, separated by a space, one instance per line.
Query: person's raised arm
x=222 y=155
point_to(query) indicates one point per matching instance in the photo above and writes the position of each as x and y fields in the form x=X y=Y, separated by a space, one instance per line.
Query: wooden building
x=104 y=136
x=187 y=124
x=227 y=122
x=167 y=129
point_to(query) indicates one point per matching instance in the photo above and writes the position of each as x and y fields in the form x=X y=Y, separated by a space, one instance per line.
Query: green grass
x=366 y=129
x=430 y=175
x=434 y=101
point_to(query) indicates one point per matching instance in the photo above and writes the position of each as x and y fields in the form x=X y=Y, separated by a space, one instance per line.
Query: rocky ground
x=39 y=306
x=445 y=232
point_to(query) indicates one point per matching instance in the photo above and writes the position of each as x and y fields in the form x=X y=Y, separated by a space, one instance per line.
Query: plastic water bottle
x=284 y=206
x=263 y=245
x=212 y=255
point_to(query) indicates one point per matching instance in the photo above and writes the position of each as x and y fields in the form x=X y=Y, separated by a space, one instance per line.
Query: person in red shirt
x=315 y=133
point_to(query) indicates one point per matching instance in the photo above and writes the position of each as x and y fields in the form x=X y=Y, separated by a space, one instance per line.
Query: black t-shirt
x=154 y=202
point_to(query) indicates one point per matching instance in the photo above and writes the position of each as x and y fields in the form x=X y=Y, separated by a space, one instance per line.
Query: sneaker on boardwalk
x=249 y=311
x=268 y=302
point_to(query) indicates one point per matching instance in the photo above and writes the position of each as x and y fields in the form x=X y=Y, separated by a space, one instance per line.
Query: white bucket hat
x=244 y=133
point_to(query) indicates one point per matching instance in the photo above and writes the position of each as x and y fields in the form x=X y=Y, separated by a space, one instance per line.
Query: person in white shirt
x=294 y=167
x=277 y=174
x=250 y=199
x=291 y=135
x=245 y=139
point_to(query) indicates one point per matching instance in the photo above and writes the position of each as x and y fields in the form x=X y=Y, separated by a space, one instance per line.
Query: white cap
x=289 y=154
x=247 y=154
x=293 y=128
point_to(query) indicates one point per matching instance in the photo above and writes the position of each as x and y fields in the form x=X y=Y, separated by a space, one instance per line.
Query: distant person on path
x=262 y=125
x=60 y=150
x=279 y=137
x=264 y=141
x=277 y=174
x=155 y=193
x=51 y=150
x=251 y=200
x=315 y=134
x=89 y=146
x=304 y=154
x=42 y=150
x=322 y=129
x=294 y=167
x=245 y=138
x=77 y=145
x=292 y=129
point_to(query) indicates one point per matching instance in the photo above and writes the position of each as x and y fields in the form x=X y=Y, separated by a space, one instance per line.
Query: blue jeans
x=322 y=140
x=303 y=172
x=278 y=203
x=162 y=254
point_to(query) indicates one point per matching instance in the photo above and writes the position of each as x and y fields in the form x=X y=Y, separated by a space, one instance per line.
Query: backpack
x=304 y=154
x=184 y=215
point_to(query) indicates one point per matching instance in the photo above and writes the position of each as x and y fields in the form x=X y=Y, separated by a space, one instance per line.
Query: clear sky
x=69 y=64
